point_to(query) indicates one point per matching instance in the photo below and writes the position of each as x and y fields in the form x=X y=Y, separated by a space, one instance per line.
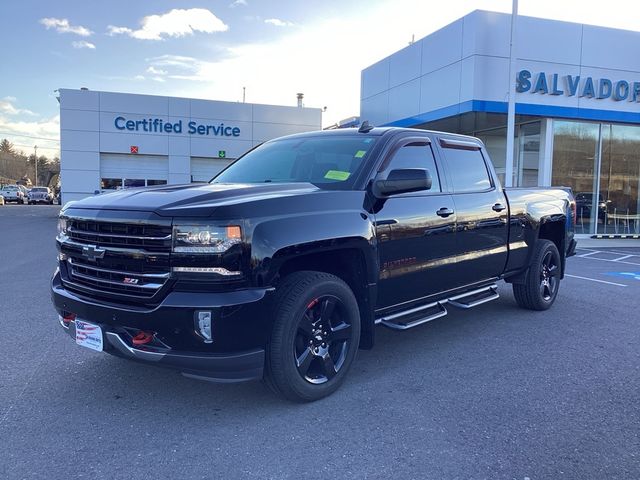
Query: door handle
x=444 y=212
x=498 y=207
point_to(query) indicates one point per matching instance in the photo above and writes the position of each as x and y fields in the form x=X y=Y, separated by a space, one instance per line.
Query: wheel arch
x=349 y=264
x=554 y=229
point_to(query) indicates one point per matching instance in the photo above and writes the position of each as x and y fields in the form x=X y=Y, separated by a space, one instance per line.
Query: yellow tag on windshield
x=360 y=153
x=336 y=175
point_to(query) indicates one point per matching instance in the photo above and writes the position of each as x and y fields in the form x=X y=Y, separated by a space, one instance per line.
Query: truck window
x=329 y=162
x=467 y=169
x=416 y=155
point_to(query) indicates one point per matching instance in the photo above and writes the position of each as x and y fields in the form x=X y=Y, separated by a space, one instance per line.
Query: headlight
x=205 y=238
x=62 y=226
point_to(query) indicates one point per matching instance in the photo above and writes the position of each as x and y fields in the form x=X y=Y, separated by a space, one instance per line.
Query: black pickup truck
x=281 y=267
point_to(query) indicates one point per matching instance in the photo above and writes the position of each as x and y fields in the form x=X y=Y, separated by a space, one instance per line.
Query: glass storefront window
x=601 y=163
x=156 y=182
x=528 y=155
x=111 y=184
x=133 y=182
x=526 y=152
x=619 y=180
x=575 y=152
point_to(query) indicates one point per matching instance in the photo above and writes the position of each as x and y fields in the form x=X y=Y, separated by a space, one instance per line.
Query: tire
x=305 y=360
x=542 y=281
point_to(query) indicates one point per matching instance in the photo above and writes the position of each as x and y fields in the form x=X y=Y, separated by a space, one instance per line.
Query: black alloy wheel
x=549 y=277
x=314 y=338
x=541 y=283
x=322 y=340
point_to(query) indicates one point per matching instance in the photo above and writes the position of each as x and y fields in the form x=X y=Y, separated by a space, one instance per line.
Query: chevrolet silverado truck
x=281 y=267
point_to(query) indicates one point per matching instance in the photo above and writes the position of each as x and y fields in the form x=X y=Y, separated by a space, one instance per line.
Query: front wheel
x=542 y=281
x=315 y=336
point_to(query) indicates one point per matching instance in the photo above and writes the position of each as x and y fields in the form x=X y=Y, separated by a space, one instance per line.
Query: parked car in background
x=40 y=195
x=584 y=205
x=13 y=193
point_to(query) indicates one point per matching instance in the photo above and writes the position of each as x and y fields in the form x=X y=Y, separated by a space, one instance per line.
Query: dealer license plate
x=88 y=335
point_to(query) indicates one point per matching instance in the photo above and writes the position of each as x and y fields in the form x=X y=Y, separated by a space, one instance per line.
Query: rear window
x=39 y=190
x=468 y=170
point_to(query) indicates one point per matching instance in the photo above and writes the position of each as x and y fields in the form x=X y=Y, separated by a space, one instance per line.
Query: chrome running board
x=475 y=297
x=425 y=313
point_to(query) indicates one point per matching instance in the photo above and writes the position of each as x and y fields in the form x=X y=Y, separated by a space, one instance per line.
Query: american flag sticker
x=89 y=335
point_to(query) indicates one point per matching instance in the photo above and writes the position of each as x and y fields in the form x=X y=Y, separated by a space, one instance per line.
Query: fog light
x=62 y=257
x=203 y=325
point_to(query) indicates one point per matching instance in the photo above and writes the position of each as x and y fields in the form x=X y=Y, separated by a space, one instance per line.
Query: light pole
x=511 y=106
x=35 y=162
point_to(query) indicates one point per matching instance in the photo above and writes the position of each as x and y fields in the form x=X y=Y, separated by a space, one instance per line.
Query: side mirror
x=403 y=180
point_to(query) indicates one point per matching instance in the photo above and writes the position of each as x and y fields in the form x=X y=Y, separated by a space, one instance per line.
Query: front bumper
x=231 y=367
x=240 y=330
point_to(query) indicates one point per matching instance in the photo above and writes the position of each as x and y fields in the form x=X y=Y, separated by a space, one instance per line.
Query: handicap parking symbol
x=633 y=275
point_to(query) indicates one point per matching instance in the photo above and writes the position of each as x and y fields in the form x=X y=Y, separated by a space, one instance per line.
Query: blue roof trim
x=553 y=111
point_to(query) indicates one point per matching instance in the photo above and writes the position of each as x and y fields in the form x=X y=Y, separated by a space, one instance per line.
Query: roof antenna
x=365 y=127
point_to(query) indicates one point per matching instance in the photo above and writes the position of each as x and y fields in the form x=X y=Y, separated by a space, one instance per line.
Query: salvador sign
x=583 y=86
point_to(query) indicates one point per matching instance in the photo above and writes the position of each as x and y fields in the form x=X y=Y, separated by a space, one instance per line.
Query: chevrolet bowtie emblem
x=92 y=252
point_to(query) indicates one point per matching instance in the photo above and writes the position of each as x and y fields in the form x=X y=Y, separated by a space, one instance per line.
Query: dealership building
x=116 y=140
x=577 y=105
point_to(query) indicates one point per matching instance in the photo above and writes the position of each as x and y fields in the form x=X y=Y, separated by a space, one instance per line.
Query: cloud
x=7 y=108
x=278 y=23
x=175 y=23
x=113 y=30
x=273 y=70
x=237 y=3
x=62 y=25
x=83 y=44
x=156 y=71
x=179 y=67
x=24 y=135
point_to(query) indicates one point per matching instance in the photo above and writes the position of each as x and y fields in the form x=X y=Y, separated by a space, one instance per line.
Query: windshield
x=328 y=162
x=10 y=188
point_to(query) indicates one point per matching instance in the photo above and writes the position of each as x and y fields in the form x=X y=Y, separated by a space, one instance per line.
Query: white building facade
x=115 y=140
x=577 y=105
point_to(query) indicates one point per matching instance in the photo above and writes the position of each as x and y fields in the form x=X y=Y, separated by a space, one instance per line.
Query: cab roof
x=378 y=132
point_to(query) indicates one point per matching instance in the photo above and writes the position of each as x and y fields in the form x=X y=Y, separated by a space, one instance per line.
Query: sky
x=212 y=49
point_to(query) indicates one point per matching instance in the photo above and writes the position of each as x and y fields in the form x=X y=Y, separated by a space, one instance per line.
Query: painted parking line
x=595 y=280
x=624 y=258
x=587 y=254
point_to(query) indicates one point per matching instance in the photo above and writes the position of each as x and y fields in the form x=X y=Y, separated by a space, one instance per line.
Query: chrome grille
x=116 y=281
x=153 y=238
x=133 y=263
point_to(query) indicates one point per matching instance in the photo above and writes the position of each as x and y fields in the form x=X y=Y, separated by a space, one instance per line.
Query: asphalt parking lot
x=495 y=392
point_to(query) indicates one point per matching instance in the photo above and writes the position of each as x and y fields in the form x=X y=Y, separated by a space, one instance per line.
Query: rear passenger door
x=415 y=231
x=481 y=211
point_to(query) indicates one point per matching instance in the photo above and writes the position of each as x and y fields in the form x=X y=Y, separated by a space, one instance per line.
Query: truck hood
x=198 y=200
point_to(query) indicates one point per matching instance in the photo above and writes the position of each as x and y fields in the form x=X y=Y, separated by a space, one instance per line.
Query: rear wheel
x=315 y=336
x=542 y=281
